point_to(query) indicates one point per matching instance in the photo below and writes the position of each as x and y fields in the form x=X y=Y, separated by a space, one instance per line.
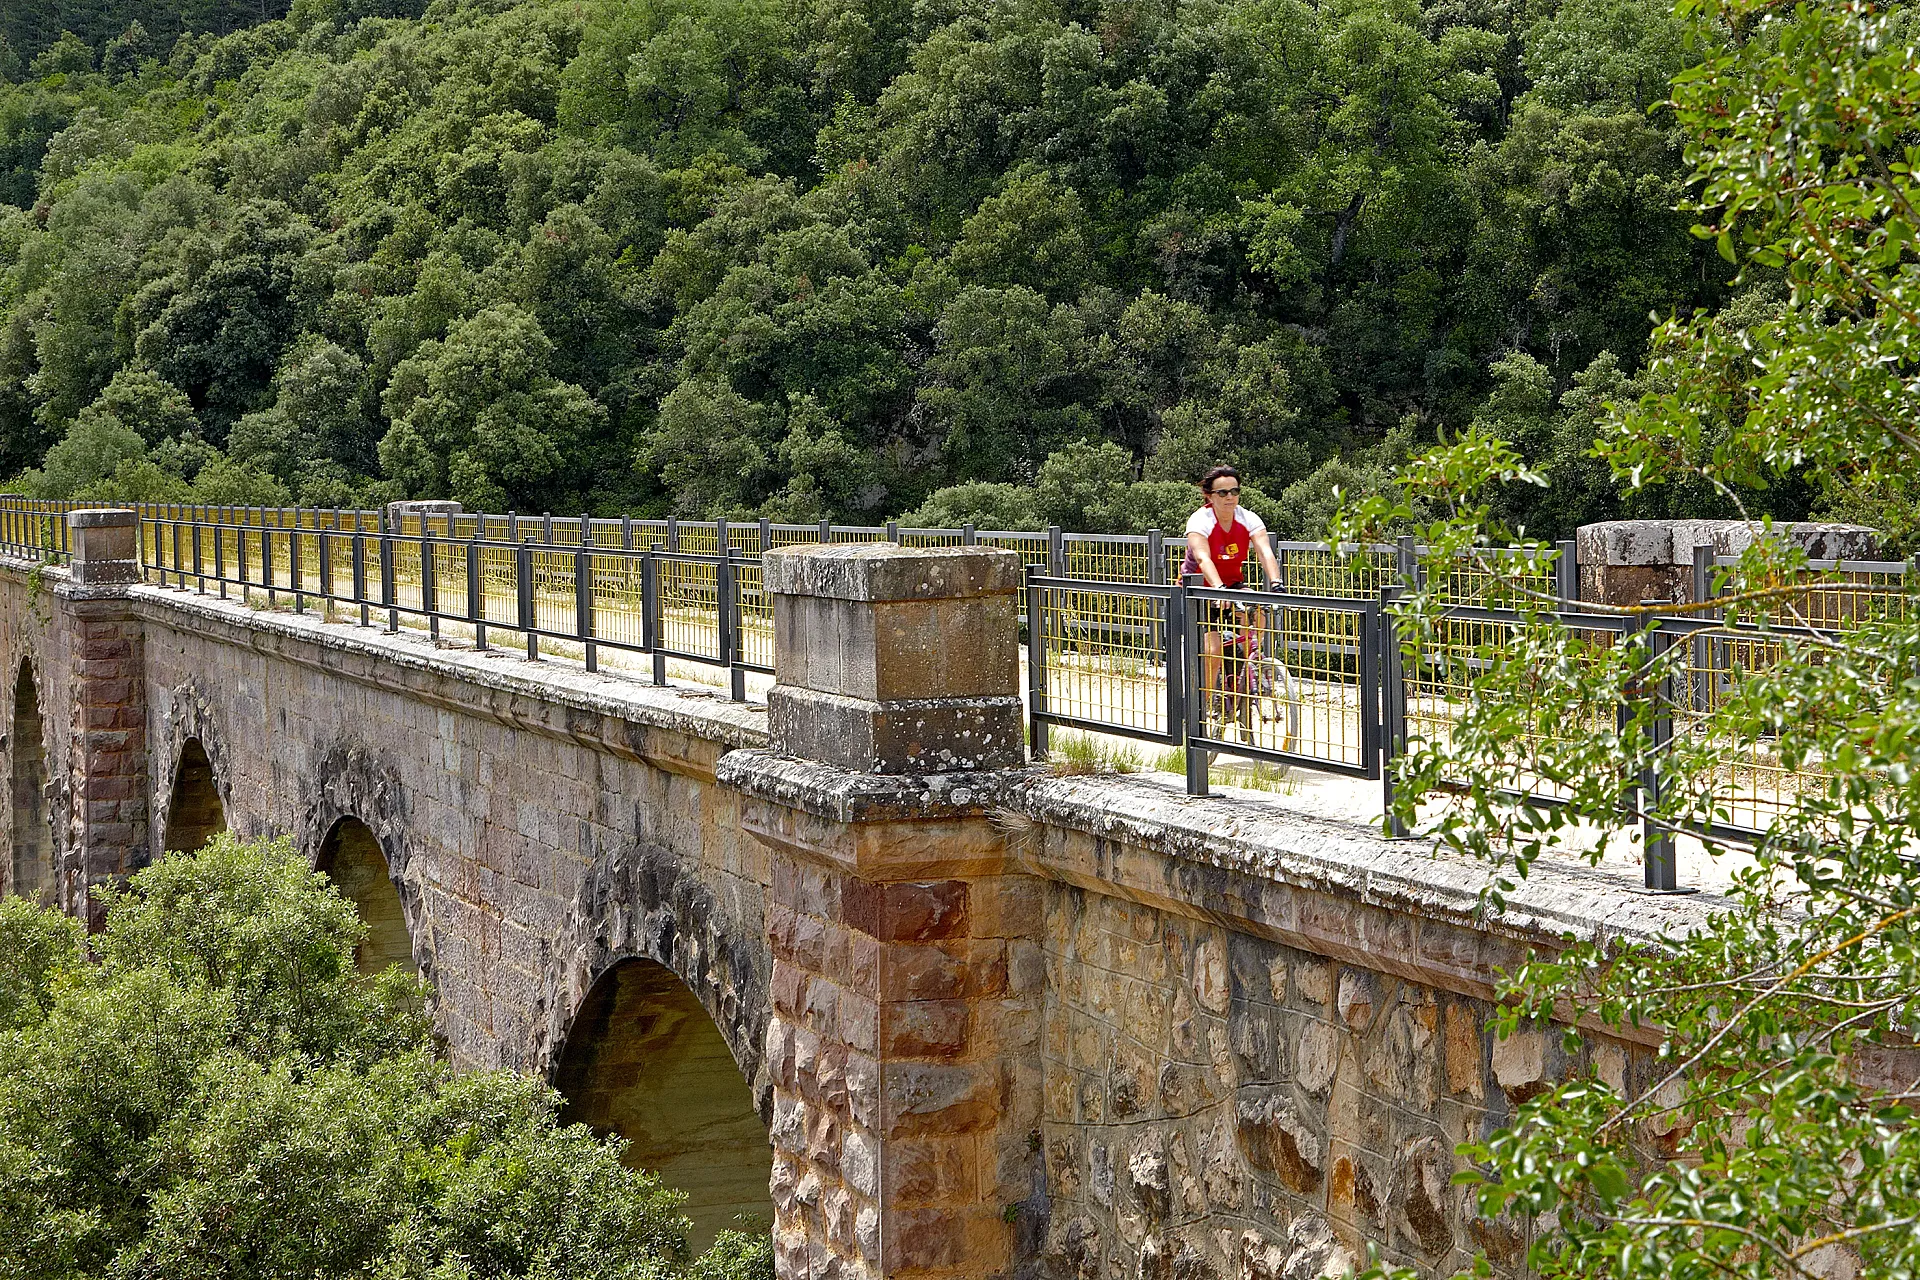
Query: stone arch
x=195 y=812
x=642 y=903
x=352 y=857
x=644 y=1060
x=33 y=871
x=355 y=784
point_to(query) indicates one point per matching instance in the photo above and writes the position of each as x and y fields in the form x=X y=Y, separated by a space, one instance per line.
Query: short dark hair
x=1218 y=473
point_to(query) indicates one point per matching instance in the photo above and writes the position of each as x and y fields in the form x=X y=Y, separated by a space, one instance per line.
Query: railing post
x=359 y=549
x=1660 y=862
x=1036 y=671
x=826 y=531
x=1193 y=693
x=1056 y=552
x=1407 y=563
x=583 y=604
x=673 y=533
x=296 y=572
x=766 y=534
x=728 y=620
x=220 y=559
x=266 y=563
x=893 y=532
x=1172 y=637
x=476 y=593
x=513 y=526
x=240 y=564
x=720 y=536
x=326 y=575
x=1702 y=574
x=1393 y=708
x=969 y=536
x=429 y=586
x=1566 y=572
x=523 y=576
x=650 y=615
x=546 y=528
x=626 y=533
x=388 y=587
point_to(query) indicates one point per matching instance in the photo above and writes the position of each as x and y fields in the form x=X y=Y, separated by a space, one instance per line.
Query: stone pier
x=907 y=972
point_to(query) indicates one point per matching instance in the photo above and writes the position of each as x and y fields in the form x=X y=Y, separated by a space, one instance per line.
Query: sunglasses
x=1225 y=493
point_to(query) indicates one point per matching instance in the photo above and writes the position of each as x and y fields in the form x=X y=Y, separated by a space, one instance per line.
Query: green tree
x=480 y=417
x=215 y=1091
x=1796 y=1160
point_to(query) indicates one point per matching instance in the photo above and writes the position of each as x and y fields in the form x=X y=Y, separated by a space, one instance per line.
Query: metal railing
x=663 y=605
x=1315 y=675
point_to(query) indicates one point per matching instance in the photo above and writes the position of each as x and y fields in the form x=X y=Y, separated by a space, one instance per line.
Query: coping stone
x=102 y=518
x=877 y=572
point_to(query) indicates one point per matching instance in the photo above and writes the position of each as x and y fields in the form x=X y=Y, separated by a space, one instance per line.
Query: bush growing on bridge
x=1786 y=1080
x=208 y=1089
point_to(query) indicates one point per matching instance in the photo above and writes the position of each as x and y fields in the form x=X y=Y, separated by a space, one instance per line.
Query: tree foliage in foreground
x=1786 y=1078
x=209 y=1089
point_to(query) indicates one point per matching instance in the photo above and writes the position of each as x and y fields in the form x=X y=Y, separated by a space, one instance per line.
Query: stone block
x=872 y=572
x=907 y=911
x=898 y=649
x=1623 y=562
x=918 y=736
x=106 y=546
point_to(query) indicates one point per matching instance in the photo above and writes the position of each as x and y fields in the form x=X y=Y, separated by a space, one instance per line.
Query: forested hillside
x=835 y=257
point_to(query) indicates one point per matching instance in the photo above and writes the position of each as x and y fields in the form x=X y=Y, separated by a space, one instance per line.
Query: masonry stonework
x=998 y=1022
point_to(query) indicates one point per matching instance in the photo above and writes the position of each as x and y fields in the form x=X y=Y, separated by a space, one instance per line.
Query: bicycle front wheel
x=1276 y=704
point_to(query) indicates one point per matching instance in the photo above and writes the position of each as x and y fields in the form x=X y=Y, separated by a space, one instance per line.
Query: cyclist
x=1219 y=536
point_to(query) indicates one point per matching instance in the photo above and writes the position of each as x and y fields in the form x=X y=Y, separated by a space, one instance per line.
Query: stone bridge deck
x=993 y=1021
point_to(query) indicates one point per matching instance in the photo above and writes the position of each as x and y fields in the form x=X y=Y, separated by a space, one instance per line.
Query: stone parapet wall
x=1263 y=1040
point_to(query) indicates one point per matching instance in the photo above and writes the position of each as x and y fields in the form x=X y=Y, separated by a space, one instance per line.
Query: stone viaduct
x=846 y=962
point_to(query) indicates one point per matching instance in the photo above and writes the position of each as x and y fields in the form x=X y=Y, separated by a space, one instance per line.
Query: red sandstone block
x=923 y=973
x=863 y=962
x=782 y=889
x=907 y=912
x=101 y=786
x=113 y=691
x=808 y=942
x=923 y=1239
x=859 y=1023
x=788 y=987
x=112 y=835
x=931 y=1171
x=821 y=1010
x=780 y=930
x=830 y=1077
x=923 y=1098
x=925 y=1029
x=823 y=1140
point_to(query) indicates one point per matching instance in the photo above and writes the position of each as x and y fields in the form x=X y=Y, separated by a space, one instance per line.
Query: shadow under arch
x=352 y=858
x=644 y=1060
x=194 y=814
x=33 y=870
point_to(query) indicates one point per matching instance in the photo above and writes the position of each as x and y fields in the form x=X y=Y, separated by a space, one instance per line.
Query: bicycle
x=1256 y=691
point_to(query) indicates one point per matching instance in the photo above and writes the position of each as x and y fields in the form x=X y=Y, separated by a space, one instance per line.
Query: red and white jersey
x=1229 y=546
